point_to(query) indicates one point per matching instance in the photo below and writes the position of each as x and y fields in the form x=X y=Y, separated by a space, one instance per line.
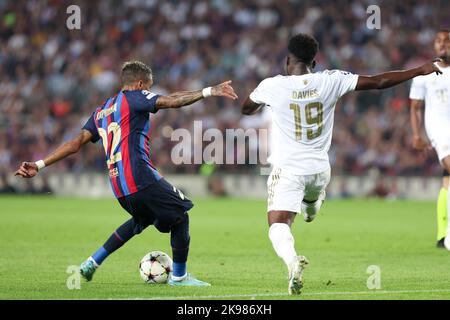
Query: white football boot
x=310 y=210
x=447 y=242
x=296 y=275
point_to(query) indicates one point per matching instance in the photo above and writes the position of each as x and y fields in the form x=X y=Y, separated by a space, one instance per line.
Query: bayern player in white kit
x=302 y=104
x=435 y=91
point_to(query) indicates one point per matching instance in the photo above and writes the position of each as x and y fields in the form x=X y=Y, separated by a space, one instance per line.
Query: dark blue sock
x=179 y=269
x=124 y=233
x=179 y=240
x=100 y=255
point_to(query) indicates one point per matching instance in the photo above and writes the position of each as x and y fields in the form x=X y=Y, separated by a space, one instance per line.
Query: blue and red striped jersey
x=123 y=124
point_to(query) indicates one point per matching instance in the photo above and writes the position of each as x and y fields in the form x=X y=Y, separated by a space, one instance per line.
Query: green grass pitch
x=42 y=236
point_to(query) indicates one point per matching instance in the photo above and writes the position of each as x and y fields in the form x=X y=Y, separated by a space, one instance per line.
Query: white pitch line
x=277 y=294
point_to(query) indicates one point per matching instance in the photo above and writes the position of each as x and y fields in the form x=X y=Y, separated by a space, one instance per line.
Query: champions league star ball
x=155 y=267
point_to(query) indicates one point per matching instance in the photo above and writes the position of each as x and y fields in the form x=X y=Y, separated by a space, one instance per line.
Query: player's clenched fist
x=224 y=90
x=27 y=170
x=431 y=67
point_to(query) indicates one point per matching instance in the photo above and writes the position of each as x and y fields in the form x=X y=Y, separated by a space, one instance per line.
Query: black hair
x=133 y=71
x=443 y=30
x=304 y=47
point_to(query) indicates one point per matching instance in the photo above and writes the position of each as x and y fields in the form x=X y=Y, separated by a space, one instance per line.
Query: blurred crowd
x=52 y=78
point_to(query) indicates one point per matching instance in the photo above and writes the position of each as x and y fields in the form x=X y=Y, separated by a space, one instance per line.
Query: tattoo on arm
x=179 y=99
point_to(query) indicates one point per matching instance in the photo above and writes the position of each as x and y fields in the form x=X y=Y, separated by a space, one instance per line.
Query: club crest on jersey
x=113 y=172
x=106 y=112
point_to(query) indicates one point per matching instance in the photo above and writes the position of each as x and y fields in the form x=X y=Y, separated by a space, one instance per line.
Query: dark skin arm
x=379 y=81
x=250 y=107
x=392 y=78
x=29 y=169
x=184 y=98
x=416 y=123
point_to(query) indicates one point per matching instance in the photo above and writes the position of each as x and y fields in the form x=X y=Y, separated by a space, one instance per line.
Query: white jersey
x=302 y=117
x=435 y=91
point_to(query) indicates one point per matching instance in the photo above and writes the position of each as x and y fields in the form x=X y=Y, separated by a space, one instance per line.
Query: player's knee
x=138 y=227
x=285 y=217
x=310 y=202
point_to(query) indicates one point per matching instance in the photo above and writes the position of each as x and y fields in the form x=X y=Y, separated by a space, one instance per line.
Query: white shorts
x=441 y=143
x=287 y=191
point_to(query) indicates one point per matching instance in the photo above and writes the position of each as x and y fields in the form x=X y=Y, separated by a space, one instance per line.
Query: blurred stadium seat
x=52 y=78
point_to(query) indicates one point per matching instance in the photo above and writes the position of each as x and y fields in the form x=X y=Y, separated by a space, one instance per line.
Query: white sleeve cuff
x=207 y=92
x=40 y=164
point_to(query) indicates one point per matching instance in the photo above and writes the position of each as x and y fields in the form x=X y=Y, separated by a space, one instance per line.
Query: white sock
x=448 y=215
x=283 y=242
x=174 y=278
x=447 y=236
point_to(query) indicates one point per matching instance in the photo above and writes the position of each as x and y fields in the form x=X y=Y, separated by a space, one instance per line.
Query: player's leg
x=442 y=210
x=280 y=235
x=285 y=195
x=170 y=207
x=314 y=194
x=284 y=245
x=141 y=219
x=179 y=241
x=446 y=163
x=117 y=239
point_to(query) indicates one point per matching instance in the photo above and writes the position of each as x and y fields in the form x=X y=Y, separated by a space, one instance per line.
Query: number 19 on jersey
x=313 y=118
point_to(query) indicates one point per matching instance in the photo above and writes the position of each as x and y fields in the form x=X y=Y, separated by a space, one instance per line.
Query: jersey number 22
x=110 y=150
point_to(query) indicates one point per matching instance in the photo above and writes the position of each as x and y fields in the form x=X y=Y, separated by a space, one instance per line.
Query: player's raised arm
x=184 y=98
x=30 y=169
x=392 y=78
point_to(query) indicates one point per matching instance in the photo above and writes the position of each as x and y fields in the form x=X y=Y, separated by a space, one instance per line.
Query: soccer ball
x=155 y=267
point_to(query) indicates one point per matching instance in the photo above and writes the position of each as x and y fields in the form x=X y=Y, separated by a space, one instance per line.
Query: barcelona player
x=122 y=124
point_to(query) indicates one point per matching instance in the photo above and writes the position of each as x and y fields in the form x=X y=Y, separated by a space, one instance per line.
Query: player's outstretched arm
x=418 y=142
x=184 y=98
x=392 y=78
x=30 y=169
